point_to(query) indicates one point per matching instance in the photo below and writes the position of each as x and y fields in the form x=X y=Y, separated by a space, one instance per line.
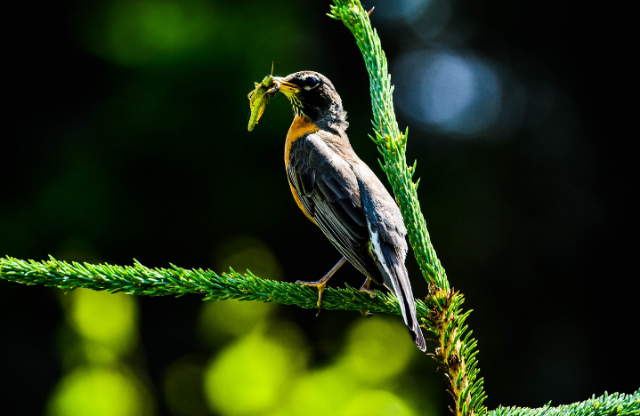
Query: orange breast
x=301 y=125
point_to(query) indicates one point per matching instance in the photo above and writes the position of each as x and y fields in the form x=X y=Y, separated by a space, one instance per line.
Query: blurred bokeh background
x=125 y=137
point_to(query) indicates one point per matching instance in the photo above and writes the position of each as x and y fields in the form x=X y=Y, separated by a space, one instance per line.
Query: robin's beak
x=285 y=87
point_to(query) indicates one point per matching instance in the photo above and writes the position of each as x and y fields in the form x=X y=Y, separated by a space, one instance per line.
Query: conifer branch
x=390 y=141
x=618 y=404
x=176 y=281
x=441 y=314
x=456 y=351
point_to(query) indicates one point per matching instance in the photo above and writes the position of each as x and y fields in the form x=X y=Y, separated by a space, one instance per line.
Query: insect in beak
x=259 y=97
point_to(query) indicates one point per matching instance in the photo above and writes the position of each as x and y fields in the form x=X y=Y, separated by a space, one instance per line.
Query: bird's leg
x=322 y=283
x=365 y=288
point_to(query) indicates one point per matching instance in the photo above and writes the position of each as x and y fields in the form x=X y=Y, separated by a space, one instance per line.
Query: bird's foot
x=366 y=314
x=321 y=285
x=365 y=288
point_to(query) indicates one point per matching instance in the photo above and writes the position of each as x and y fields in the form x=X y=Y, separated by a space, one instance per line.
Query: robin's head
x=313 y=95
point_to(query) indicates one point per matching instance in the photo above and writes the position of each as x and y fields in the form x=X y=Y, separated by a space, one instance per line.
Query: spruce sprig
x=618 y=404
x=390 y=141
x=441 y=313
x=175 y=281
x=456 y=351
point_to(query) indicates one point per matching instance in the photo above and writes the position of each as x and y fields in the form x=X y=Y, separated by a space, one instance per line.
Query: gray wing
x=387 y=233
x=328 y=190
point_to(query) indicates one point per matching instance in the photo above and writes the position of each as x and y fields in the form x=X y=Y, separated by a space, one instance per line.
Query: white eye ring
x=311 y=83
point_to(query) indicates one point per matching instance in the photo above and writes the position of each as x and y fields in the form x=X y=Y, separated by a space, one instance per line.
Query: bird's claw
x=365 y=288
x=321 y=286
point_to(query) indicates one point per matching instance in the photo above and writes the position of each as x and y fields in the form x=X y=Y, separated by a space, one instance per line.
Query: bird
x=340 y=194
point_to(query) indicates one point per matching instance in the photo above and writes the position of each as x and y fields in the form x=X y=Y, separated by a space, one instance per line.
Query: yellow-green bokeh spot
x=109 y=320
x=99 y=391
x=183 y=387
x=138 y=32
x=321 y=392
x=252 y=375
x=375 y=403
x=151 y=34
x=378 y=348
x=221 y=320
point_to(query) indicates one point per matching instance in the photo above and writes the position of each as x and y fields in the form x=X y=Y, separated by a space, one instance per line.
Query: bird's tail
x=396 y=278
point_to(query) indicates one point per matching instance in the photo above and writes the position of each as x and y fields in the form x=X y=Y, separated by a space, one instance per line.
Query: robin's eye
x=310 y=83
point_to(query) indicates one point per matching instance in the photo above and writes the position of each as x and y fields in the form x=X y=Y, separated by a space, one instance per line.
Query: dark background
x=119 y=146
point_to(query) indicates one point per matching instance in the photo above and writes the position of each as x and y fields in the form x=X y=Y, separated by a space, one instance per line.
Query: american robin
x=340 y=194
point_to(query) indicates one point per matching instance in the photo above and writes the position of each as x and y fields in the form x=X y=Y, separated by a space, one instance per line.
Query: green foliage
x=608 y=404
x=141 y=280
x=441 y=314
x=457 y=350
x=391 y=143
